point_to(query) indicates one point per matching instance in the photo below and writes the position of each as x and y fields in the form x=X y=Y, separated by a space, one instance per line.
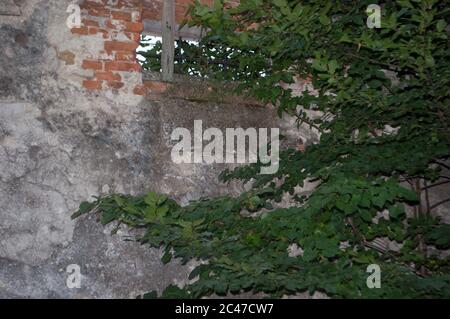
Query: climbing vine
x=383 y=99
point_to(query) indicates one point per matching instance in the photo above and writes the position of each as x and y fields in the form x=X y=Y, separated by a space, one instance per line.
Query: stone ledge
x=195 y=89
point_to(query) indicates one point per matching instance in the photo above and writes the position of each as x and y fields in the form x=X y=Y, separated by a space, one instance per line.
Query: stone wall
x=75 y=121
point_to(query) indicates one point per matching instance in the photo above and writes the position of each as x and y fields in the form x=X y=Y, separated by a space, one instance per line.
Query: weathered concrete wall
x=71 y=129
x=61 y=143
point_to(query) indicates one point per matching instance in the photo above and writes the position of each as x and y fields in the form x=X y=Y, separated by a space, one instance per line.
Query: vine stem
x=381 y=250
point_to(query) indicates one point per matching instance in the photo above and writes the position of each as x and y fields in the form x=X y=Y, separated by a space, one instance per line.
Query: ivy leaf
x=150 y=213
x=150 y=295
x=151 y=199
x=280 y=3
x=84 y=208
x=162 y=211
x=167 y=257
x=366 y=216
x=319 y=65
x=332 y=66
x=440 y=25
x=175 y=292
x=197 y=271
x=108 y=216
x=342 y=203
x=440 y=236
x=161 y=199
x=309 y=254
x=397 y=211
x=330 y=251
x=379 y=200
x=408 y=195
x=324 y=19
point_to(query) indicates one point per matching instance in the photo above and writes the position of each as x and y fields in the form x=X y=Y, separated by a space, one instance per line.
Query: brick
x=90 y=4
x=92 y=84
x=115 y=85
x=99 y=12
x=105 y=33
x=67 y=56
x=156 y=86
x=136 y=37
x=107 y=76
x=90 y=23
x=128 y=4
x=120 y=46
x=140 y=90
x=92 y=64
x=122 y=66
x=103 y=55
x=134 y=27
x=95 y=30
x=125 y=56
x=114 y=25
x=82 y=31
x=119 y=15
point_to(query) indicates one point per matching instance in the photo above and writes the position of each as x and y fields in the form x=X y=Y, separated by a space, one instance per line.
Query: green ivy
x=384 y=99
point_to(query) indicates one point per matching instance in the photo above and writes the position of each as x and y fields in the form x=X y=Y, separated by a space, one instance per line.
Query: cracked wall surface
x=60 y=144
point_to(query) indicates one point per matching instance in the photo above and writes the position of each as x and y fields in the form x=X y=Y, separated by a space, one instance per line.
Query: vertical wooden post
x=168 y=25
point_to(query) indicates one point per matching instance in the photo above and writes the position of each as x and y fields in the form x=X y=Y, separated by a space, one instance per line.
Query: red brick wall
x=118 y=24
